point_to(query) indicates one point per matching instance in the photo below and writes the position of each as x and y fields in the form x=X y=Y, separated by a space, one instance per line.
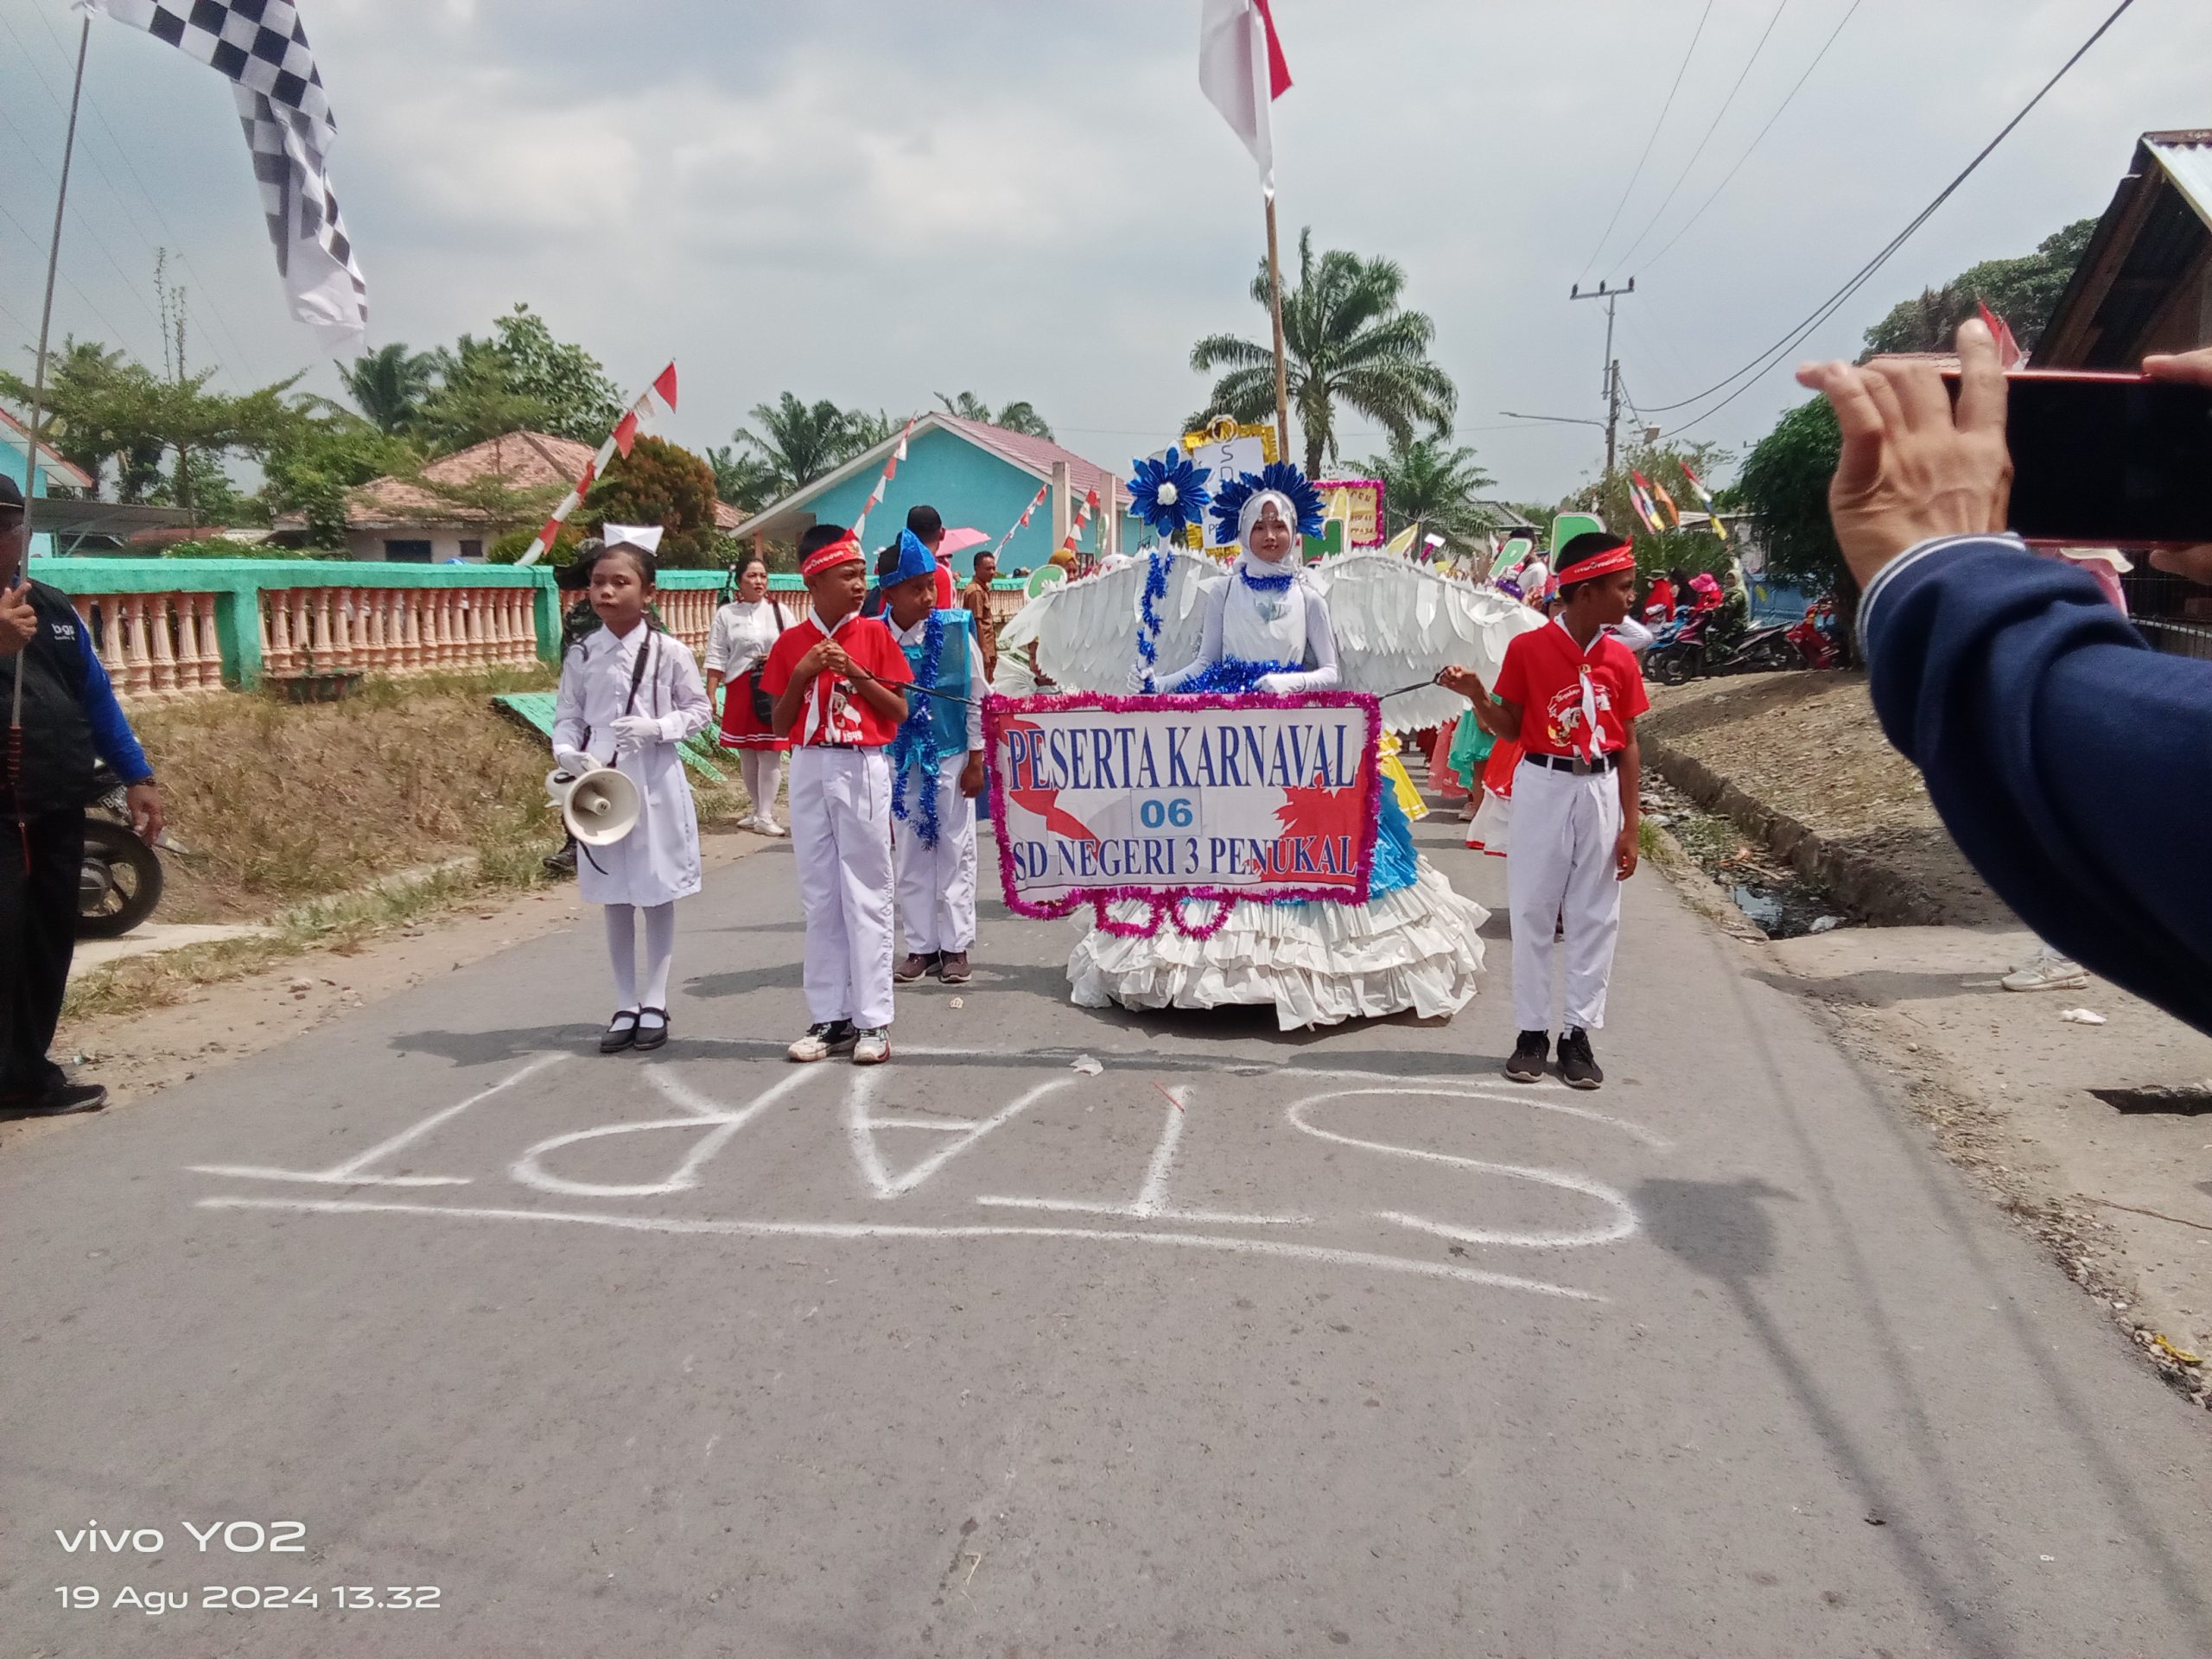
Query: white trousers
x=841 y=834
x=937 y=885
x=1560 y=867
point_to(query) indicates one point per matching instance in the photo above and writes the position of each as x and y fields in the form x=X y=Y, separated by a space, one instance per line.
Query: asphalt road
x=1243 y=1346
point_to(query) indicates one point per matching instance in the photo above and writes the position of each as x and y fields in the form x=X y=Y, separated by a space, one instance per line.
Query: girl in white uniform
x=629 y=695
x=737 y=644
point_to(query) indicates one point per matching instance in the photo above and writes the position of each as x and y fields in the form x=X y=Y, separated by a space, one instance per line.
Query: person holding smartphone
x=71 y=722
x=2067 y=759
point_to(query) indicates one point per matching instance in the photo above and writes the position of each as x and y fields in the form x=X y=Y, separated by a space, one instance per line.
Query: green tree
x=521 y=379
x=1435 y=481
x=797 y=443
x=321 y=460
x=1021 y=416
x=743 y=480
x=477 y=400
x=1785 y=483
x=659 y=483
x=390 y=385
x=1347 y=339
x=2024 y=292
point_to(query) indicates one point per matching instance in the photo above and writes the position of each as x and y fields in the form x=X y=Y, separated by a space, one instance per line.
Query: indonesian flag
x=1242 y=71
x=2009 y=354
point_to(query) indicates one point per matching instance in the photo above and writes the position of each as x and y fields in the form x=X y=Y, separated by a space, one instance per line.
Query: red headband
x=1598 y=564
x=845 y=550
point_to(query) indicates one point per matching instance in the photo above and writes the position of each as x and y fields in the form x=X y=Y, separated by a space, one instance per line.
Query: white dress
x=1415 y=945
x=659 y=861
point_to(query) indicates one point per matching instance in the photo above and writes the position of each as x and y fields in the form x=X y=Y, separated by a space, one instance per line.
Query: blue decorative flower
x=1169 y=495
x=1282 y=476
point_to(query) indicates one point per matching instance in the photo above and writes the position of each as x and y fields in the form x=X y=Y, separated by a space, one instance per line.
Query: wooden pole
x=1274 y=305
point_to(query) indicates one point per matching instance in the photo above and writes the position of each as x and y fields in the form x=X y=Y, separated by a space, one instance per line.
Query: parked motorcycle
x=1814 y=638
x=120 y=881
x=1690 y=650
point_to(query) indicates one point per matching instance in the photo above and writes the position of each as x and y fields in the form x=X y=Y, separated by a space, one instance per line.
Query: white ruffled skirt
x=1416 y=948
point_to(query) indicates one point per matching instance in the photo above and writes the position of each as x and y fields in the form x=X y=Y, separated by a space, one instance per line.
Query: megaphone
x=599 y=807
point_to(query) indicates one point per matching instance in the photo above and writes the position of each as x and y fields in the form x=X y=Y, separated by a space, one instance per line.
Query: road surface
x=1243 y=1345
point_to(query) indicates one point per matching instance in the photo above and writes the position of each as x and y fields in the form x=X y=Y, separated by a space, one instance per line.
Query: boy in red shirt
x=1569 y=693
x=838 y=679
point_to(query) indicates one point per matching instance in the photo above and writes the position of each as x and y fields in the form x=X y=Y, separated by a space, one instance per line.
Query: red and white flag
x=1242 y=71
x=636 y=418
x=2009 y=354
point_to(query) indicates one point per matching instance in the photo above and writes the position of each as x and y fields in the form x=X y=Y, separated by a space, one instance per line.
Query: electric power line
x=1755 y=142
x=1713 y=127
x=77 y=217
x=1637 y=172
x=32 y=241
x=1834 y=303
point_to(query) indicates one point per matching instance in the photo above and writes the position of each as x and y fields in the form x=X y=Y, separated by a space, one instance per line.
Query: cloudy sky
x=874 y=201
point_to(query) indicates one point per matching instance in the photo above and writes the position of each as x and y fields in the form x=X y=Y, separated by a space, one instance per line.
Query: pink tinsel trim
x=1165 y=900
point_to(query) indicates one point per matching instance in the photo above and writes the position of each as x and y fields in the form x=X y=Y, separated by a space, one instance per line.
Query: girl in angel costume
x=1267 y=626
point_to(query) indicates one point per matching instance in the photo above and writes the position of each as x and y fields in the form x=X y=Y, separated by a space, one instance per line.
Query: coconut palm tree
x=1020 y=417
x=1434 y=480
x=390 y=384
x=797 y=443
x=1347 y=339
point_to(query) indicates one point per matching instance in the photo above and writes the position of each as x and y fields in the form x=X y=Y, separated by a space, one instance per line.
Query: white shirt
x=742 y=632
x=1252 y=625
x=978 y=688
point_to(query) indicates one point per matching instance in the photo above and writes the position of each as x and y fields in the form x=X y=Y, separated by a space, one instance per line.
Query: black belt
x=1581 y=768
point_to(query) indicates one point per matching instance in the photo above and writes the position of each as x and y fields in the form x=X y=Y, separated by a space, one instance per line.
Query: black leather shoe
x=59 y=1101
x=651 y=1037
x=622 y=1032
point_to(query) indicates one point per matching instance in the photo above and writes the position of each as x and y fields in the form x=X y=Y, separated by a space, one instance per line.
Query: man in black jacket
x=71 y=722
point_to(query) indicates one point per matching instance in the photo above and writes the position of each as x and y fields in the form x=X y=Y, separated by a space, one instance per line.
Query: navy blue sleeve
x=111 y=735
x=2070 y=762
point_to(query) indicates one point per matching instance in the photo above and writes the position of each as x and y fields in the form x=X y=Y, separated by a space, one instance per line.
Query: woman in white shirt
x=743 y=632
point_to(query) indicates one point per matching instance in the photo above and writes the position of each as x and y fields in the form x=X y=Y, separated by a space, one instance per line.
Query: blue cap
x=914 y=560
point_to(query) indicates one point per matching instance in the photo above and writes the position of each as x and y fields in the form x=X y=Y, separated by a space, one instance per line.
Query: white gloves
x=633 y=732
x=574 y=762
x=1272 y=683
x=1136 y=675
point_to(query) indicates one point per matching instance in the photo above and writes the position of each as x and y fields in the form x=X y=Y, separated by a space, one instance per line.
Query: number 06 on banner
x=1255 y=796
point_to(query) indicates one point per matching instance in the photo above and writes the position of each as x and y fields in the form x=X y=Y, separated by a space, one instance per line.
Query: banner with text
x=1258 y=796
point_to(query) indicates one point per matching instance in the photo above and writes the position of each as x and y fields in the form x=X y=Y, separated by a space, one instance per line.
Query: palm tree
x=743 y=480
x=390 y=384
x=1434 y=480
x=797 y=442
x=1346 y=340
x=1017 y=416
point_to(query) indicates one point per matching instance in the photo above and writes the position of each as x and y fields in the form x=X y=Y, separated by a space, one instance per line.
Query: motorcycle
x=120 y=881
x=1814 y=638
x=1687 y=652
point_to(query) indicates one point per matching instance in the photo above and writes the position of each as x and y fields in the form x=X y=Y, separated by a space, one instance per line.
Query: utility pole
x=1611 y=391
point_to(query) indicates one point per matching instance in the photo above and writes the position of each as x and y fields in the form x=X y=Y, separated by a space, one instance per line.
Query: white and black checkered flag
x=260 y=45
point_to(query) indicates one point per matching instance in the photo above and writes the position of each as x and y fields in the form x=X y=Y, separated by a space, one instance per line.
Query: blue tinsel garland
x=1267 y=584
x=915 y=745
x=1155 y=589
x=1231 y=678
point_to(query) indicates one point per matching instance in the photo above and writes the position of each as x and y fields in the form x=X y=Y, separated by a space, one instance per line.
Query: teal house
x=15 y=444
x=979 y=477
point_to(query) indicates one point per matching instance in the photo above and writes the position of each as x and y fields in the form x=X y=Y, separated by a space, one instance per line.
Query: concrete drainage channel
x=1773 y=897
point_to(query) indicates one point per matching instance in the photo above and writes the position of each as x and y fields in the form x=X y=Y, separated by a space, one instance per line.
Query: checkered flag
x=261 y=45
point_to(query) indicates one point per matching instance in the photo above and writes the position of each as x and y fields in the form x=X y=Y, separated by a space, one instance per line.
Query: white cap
x=644 y=537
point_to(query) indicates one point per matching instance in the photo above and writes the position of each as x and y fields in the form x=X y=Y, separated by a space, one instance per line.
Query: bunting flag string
x=1705 y=498
x=890 y=472
x=1639 y=495
x=1027 y=512
x=1088 y=506
x=622 y=438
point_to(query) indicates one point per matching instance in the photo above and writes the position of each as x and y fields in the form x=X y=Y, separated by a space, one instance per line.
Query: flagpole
x=1274 y=305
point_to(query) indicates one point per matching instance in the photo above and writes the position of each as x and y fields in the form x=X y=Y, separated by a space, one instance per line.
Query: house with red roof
x=977 y=476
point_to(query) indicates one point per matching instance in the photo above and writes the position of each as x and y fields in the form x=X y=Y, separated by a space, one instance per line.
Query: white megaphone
x=599 y=806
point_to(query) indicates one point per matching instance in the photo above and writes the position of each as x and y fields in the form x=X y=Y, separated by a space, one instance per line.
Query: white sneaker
x=769 y=827
x=2046 y=970
x=871 y=1046
x=820 y=1041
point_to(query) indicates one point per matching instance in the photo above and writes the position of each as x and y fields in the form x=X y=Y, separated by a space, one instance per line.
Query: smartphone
x=2108 y=460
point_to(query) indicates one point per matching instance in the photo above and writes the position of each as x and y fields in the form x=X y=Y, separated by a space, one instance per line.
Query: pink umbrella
x=959 y=540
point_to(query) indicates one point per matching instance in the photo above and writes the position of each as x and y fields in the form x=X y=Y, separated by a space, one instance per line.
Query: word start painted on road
x=1255 y=796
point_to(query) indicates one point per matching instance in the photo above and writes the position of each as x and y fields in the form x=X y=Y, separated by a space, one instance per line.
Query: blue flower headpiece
x=1282 y=476
x=1169 y=495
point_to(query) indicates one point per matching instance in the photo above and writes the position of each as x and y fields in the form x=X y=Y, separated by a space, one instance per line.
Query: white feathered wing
x=1086 y=630
x=1397 y=624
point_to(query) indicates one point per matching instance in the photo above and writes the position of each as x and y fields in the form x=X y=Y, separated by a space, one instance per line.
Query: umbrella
x=956 y=542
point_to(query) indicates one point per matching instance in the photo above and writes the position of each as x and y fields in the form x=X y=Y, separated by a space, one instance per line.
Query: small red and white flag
x=2009 y=354
x=890 y=472
x=636 y=418
x=1242 y=71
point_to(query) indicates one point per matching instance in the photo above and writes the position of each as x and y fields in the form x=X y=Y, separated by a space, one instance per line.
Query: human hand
x=971 y=775
x=18 y=622
x=834 y=659
x=1913 y=468
x=811 y=665
x=2190 y=369
x=633 y=732
x=573 y=762
x=1464 y=681
x=1625 y=850
x=145 y=802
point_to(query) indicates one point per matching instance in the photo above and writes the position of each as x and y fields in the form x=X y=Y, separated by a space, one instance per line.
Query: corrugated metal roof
x=2187 y=159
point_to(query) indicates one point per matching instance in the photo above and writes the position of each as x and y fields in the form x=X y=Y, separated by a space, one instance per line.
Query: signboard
x=1229 y=450
x=1365 y=494
x=1222 y=797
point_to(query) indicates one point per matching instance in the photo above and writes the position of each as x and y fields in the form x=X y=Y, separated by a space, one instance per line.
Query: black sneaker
x=59 y=1101
x=820 y=1041
x=1530 y=1054
x=1577 y=1067
x=562 y=863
